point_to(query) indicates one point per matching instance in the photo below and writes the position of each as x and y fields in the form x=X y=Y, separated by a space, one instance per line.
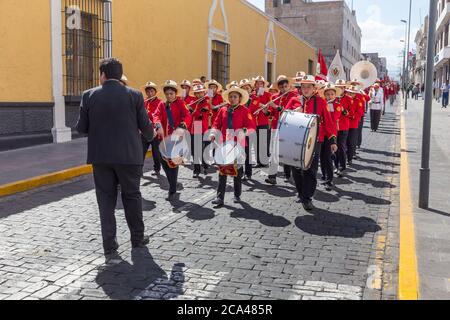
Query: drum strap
x=170 y=115
x=315 y=105
x=230 y=118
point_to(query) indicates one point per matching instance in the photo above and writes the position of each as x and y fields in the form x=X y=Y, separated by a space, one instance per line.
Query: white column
x=60 y=132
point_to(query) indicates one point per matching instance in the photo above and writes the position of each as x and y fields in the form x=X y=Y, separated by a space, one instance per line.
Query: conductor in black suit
x=114 y=118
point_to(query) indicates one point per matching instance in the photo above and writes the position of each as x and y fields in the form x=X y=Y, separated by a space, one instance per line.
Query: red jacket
x=328 y=127
x=253 y=105
x=347 y=107
x=189 y=100
x=242 y=119
x=180 y=114
x=359 y=108
x=335 y=110
x=151 y=106
x=283 y=102
x=215 y=101
x=201 y=113
x=262 y=119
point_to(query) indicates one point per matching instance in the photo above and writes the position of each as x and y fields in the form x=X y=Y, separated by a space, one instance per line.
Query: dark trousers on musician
x=106 y=179
x=341 y=156
x=198 y=155
x=172 y=176
x=155 y=152
x=263 y=131
x=352 y=140
x=326 y=163
x=248 y=152
x=306 y=181
x=360 y=132
x=237 y=185
x=375 y=117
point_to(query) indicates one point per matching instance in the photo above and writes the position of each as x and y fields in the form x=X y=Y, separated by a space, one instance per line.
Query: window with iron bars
x=86 y=40
x=220 y=62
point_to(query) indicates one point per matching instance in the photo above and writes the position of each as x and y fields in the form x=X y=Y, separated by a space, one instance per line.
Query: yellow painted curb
x=47 y=179
x=408 y=274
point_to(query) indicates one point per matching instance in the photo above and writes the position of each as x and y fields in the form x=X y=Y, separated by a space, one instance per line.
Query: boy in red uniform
x=252 y=103
x=355 y=117
x=186 y=90
x=312 y=103
x=216 y=99
x=151 y=103
x=278 y=105
x=346 y=103
x=170 y=116
x=233 y=119
x=263 y=130
x=200 y=118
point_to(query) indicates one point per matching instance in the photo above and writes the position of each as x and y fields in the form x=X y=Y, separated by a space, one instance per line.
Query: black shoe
x=308 y=206
x=248 y=177
x=155 y=173
x=196 y=175
x=218 y=203
x=112 y=257
x=171 y=196
x=205 y=171
x=145 y=241
x=271 y=181
x=244 y=178
x=237 y=200
x=329 y=186
x=287 y=179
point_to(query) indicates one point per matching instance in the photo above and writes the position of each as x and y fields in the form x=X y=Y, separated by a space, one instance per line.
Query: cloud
x=383 y=38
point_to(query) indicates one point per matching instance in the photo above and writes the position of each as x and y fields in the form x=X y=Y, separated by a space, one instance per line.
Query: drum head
x=229 y=153
x=310 y=143
x=175 y=148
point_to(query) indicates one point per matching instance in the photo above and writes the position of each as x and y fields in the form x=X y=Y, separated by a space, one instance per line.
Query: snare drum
x=229 y=157
x=298 y=133
x=174 y=150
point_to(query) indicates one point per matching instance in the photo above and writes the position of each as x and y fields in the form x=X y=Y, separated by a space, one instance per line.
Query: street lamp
x=404 y=55
x=407 y=52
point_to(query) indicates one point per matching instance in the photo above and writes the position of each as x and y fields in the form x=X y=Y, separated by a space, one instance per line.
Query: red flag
x=322 y=70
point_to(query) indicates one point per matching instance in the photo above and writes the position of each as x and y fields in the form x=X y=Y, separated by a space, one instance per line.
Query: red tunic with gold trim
x=335 y=109
x=151 y=105
x=201 y=114
x=283 y=102
x=262 y=118
x=215 y=101
x=346 y=103
x=358 y=111
x=180 y=115
x=242 y=119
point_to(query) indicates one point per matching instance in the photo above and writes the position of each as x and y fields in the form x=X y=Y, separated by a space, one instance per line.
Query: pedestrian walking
x=376 y=106
x=113 y=115
x=445 y=89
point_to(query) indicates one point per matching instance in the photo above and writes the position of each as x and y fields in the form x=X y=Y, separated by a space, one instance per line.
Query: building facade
x=442 y=46
x=421 y=41
x=379 y=62
x=51 y=50
x=327 y=25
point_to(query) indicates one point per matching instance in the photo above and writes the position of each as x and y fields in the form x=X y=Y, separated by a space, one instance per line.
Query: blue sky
x=381 y=26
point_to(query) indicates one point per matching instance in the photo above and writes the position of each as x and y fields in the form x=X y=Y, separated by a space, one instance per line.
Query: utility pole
x=407 y=53
x=404 y=56
x=424 y=193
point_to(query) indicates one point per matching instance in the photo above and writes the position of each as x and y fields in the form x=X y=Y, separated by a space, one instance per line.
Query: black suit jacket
x=113 y=116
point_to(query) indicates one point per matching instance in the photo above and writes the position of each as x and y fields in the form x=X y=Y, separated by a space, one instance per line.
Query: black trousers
x=326 y=163
x=341 y=156
x=306 y=181
x=360 y=132
x=107 y=178
x=172 y=176
x=375 y=117
x=248 y=165
x=155 y=152
x=198 y=155
x=261 y=132
x=352 y=140
x=237 y=185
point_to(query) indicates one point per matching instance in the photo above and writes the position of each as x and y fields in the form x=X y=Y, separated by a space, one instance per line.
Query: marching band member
x=331 y=93
x=366 y=99
x=273 y=90
x=346 y=103
x=262 y=118
x=233 y=119
x=278 y=105
x=252 y=102
x=215 y=99
x=170 y=116
x=186 y=90
x=200 y=119
x=151 y=104
x=312 y=103
x=376 y=106
x=355 y=116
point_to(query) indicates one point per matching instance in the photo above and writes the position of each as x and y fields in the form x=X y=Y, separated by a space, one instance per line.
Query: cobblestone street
x=268 y=247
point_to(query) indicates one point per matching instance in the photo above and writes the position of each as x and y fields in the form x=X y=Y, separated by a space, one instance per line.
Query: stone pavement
x=265 y=248
x=433 y=225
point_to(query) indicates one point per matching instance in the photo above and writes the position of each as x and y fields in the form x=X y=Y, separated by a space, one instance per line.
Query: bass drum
x=298 y=133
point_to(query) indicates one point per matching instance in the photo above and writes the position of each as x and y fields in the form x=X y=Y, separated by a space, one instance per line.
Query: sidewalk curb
x=46 y=179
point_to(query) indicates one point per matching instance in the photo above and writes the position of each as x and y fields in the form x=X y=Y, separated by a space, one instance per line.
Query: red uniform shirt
x=253 y=105
x=262 y=119
x=215 y=101
x=242 y=119
x=358 y=111
x=150 y=106
x=180 y=115
x=335 y=109
x=346 y=103
x=201 y=114
x=283 y=102
x=189 y=100
x=328 y=126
